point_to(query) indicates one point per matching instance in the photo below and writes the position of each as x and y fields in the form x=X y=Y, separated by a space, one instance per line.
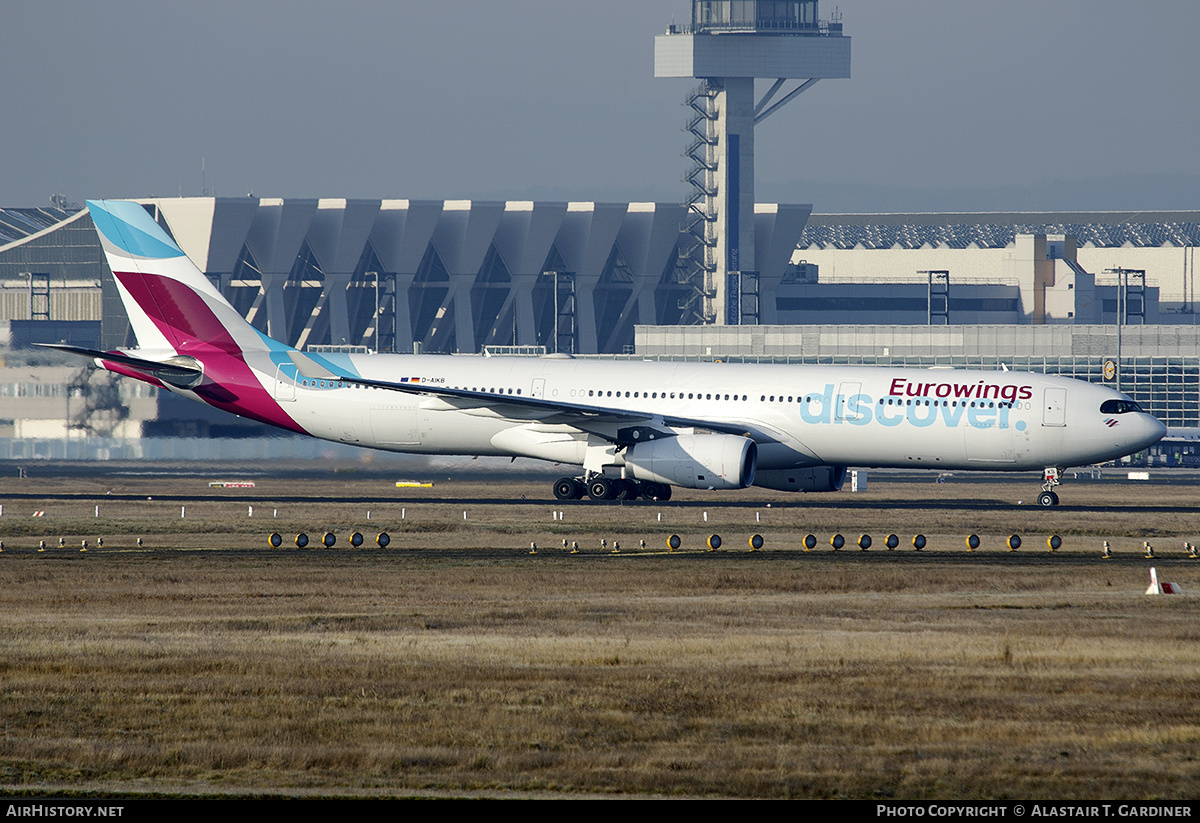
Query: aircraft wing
x=621 y=426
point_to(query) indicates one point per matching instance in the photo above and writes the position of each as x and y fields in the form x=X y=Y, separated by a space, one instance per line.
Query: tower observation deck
x=728 y=45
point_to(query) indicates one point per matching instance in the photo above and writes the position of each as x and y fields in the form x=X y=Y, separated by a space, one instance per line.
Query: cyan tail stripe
x=337 y=363
x=128 y=227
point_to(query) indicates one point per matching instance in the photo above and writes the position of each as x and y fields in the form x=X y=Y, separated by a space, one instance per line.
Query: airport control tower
x=728 y=44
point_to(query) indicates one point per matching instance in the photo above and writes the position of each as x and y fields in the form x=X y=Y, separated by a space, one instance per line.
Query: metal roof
x=991 y=230
x=16 y=224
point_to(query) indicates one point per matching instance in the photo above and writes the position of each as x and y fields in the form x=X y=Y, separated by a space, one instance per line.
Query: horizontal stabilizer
x=184 y=372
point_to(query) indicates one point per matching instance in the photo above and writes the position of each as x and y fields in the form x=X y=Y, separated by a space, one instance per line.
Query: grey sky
x=953 y=104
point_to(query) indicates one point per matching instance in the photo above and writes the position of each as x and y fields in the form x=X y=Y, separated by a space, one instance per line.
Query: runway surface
x=496 y=518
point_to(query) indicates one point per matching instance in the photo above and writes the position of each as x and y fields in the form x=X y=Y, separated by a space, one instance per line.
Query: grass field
x=456 y=661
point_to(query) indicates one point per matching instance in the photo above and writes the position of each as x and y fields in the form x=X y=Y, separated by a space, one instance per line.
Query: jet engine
x=807 y=479
x=695 y=461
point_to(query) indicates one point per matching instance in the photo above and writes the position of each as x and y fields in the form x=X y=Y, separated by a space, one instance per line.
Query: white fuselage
x=797 y=415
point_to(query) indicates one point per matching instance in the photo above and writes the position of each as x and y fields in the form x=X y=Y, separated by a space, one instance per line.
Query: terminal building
x=996 y=268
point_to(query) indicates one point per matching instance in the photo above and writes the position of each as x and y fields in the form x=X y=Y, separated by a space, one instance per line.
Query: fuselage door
x=1054 y=407
x=845 y=392
x=538 y=389
x=285 y=386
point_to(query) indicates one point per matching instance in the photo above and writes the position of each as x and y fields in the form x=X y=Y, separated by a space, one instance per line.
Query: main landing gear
x=600 y=487
x=1050 y=478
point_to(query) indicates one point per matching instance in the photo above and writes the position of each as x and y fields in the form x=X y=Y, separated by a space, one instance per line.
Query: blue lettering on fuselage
x=823 y=403
x=858 y=410
x=921 y=412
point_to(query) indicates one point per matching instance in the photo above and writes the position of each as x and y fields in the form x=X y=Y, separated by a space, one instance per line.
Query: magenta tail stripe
x=190 y=325
x=179 y=313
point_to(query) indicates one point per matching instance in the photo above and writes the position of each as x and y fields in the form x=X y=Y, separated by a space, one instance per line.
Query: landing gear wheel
x=628 y=490
x=568 y=488
x=1051 y=477
x=659 y=492
x=601 y=488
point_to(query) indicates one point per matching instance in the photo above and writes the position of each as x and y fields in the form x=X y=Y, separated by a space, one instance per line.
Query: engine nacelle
x=807 y=479
x=695 y=461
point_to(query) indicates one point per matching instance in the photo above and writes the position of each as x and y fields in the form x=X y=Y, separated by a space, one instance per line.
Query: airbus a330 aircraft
x=634 y=428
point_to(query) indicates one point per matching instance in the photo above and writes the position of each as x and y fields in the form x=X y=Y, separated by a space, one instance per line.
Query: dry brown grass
x=733 y=676
x=774 y=674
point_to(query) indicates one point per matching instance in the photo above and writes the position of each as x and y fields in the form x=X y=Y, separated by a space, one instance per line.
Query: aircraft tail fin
x=190 y=338
x=170 y=303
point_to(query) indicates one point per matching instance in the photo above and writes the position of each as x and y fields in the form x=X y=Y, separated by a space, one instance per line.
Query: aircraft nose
x=1152 y=430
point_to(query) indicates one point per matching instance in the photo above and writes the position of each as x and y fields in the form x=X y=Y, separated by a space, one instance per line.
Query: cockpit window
x=1119 y=407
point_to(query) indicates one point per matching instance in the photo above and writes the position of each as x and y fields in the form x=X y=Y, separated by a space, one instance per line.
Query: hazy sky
x=952 y=104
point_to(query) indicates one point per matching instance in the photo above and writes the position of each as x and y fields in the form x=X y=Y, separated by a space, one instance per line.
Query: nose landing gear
x=1050 y=478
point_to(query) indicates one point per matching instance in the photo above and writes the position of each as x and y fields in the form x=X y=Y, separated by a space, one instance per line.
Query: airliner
x=634 y=429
